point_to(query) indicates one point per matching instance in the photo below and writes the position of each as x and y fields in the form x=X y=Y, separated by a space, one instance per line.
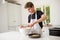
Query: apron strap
x=36 y=15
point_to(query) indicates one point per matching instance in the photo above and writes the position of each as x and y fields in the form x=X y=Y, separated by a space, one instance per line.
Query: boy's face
x=30 y=9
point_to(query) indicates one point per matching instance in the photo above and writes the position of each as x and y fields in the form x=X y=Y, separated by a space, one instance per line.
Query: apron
x=36 y=28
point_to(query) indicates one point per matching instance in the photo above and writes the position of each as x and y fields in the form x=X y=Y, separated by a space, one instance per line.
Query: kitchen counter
x=15 y=35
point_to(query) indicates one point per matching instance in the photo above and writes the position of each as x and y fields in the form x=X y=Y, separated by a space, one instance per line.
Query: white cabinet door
x=14 y=14
x=3 y=18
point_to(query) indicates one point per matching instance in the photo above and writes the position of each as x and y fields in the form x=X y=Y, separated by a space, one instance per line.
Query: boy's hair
x=28 y=4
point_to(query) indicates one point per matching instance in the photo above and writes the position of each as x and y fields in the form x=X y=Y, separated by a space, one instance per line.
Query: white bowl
x=24 y=31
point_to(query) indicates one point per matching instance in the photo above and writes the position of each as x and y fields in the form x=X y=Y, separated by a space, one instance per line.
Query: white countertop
x=14 y=35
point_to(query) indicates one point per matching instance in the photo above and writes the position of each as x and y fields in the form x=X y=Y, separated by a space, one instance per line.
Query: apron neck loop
x=35 y=15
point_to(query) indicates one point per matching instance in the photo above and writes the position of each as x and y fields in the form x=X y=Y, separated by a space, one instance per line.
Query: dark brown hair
x=28 y=4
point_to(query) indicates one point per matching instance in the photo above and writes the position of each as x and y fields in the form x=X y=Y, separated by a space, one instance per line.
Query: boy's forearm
x=40 y=20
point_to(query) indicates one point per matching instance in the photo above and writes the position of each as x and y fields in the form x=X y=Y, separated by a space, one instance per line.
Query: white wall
x=24 y=12
x=55 y=12
x=3 y=18
x=54 y=9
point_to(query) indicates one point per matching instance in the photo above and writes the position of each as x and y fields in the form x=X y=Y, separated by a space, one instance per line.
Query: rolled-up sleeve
x=41 y=13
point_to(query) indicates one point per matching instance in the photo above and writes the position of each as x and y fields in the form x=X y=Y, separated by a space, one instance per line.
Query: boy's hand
x=30 y=24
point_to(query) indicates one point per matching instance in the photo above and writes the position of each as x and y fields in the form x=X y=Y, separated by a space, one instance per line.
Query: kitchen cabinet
x=14 y=15
x=10 y=16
